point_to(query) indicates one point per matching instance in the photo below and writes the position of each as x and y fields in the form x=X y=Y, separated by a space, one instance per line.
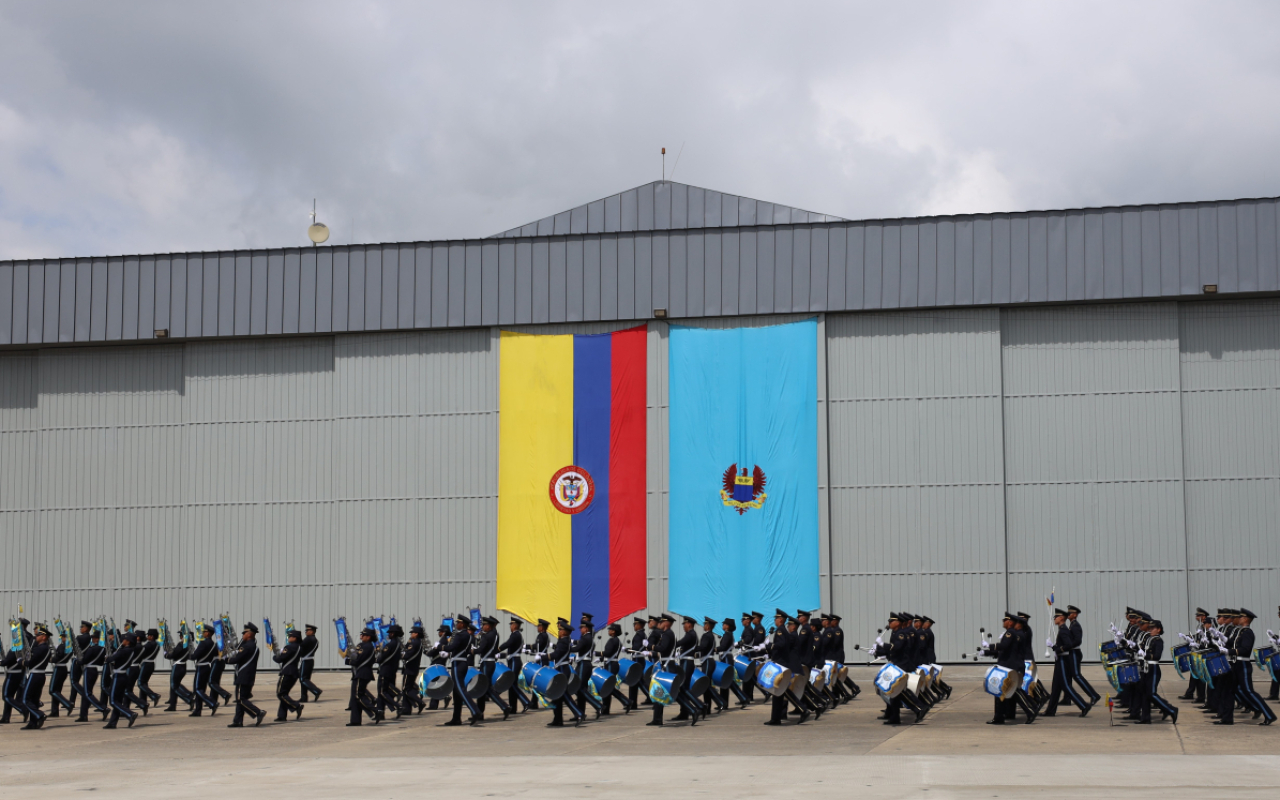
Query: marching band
x=799 y=664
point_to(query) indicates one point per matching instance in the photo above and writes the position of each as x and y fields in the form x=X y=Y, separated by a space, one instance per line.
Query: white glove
x=1048 y=643
x=1222 y=650
x=644 y=643
x=1142 y=654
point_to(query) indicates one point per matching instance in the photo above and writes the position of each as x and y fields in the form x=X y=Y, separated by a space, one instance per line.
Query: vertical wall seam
x=1182 y=483
x=1004 y=451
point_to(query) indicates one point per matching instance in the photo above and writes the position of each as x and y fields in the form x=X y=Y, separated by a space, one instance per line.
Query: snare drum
x=550 y=683
x=1181 y=660
x=503 y=677
x=1127 y=673
x=1216 y=663
x=744 y=669
x=630 y=673
x=602 y=683
x=434 y=682
x=1262 y=654
x=890 y=681
x=663 y=688
x=1000 y=682
x=773 y=678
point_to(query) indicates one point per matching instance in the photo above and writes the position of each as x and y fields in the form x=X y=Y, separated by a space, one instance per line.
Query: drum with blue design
x=663 y=687
x=773 y=678
x=1000 y=682
x=890 y=681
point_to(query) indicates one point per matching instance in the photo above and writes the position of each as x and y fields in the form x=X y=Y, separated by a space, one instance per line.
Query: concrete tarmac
x=952 y=753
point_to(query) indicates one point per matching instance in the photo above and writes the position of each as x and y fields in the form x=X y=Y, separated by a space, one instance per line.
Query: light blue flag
x=744 y=469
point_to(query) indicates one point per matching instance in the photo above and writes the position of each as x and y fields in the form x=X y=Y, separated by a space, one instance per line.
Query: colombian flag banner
x=571 y=475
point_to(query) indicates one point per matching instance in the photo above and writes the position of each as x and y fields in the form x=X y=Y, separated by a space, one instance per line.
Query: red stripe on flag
x=627 y=457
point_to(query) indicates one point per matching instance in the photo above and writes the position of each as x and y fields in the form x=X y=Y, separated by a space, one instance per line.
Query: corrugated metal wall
x=1142 y=252
x=1126 y=454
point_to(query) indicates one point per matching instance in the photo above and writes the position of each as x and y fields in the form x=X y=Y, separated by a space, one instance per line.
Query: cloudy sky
x=151 y=127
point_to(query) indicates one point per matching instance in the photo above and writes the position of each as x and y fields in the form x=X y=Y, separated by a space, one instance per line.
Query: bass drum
x=699 y=683
x=602 y=683
x=550 y=683
x=434 y=683
x=773 y=678
x=503 y=677
x=477 y=683
x=722 y=675
x=526 y=676
x=1029 y=676
x=1000 y=682
x=890 y=681
x=818 y=678
x=663 y=687
x=630 y=673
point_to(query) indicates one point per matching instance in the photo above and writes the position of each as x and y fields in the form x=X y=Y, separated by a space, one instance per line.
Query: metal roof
x=724 y=268
x=665 y=205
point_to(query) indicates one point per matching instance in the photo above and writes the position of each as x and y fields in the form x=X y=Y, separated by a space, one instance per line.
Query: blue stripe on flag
x=592 y=405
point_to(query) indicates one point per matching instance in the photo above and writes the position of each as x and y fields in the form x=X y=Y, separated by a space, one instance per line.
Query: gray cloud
x=158 y=127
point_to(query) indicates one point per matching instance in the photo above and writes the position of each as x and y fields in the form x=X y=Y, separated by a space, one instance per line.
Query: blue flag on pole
x=744 y=469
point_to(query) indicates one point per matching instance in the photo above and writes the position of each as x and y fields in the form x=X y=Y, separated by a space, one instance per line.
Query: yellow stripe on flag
x=535 y=438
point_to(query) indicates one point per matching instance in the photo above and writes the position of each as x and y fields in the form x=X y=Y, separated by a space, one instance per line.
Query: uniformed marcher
x=245 y=660
x=150 y=652
x=783 y=646
x=583 y=662
x=360 y=659
x=685 y=662
x=119 y=664
x=1196 y=687
x=639 y=643
x=662 y=643
x=15 y=673
x=747 y=641
x=1240 y=652
x=1061 y=642
x=411 y=665
x=307 y=664
x=510 y=650
x=439 y=655
x=725 y=652
x=205 y=654
x=926 y=630
x=610 y=655
x=219 y=666
x=77 y=662
x=289 y=659
x=558 y=658
x=60 y=667
x=487 y=649
x=91 y=661
x=1146 y=694
x=1008 y=654
x=1274 y=694
x=388 y=660
x=37 y=657
x=459 y=655
x=178 y=654
x=705 y=658
x=1077 y=675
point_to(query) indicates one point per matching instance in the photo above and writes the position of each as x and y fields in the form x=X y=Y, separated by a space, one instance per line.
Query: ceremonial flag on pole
x=744 y=469
x=571 y=475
